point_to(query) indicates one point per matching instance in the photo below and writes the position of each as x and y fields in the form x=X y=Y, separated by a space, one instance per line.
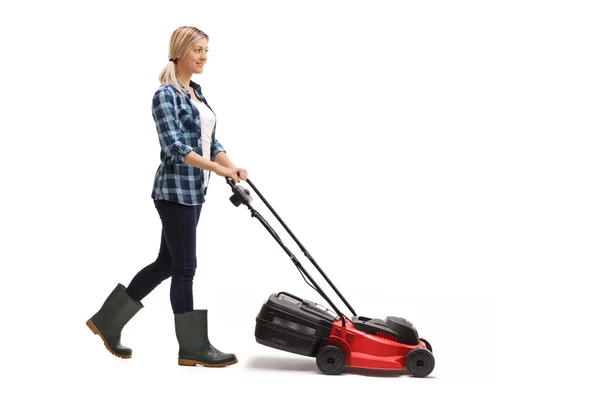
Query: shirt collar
x=193 y=85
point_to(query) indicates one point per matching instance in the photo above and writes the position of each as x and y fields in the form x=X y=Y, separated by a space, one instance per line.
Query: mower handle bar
x=306 y=253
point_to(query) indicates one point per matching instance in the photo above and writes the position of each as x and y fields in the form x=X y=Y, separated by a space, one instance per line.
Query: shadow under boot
x=109 y=321
x=194 y=346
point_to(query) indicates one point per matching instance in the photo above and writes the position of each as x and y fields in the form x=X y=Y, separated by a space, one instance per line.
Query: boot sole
x=192 y=363
x=96 y=331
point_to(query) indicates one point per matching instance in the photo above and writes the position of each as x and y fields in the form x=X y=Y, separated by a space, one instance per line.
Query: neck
x=184 y=77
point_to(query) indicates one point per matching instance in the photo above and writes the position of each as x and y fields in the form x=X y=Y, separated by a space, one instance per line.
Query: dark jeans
x=176 y=257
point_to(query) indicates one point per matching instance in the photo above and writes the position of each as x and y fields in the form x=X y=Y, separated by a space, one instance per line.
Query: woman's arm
x=169 y=135
x=196 y=160
x=222 y=159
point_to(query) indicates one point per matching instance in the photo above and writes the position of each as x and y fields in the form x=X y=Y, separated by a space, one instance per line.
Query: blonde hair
x=182 y=40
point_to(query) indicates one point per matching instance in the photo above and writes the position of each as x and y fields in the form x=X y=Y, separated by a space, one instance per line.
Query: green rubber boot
x=109 y=321
x=194 y=347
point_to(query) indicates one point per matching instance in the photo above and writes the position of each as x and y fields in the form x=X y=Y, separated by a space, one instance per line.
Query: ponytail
x=168 y=76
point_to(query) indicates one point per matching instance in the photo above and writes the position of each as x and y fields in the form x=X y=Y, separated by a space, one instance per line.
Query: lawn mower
x=297 y=325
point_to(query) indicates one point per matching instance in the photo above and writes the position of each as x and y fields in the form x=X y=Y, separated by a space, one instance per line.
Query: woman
x=189 y=154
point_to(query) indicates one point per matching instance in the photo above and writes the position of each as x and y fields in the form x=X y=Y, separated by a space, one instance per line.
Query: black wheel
x=420 y=362
x=331 y=360
x=427 y=344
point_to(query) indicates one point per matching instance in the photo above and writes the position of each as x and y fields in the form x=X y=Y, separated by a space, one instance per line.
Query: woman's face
x=195 y=58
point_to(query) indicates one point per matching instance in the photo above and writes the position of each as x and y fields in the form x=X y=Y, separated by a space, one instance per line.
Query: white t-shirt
x=207 y=123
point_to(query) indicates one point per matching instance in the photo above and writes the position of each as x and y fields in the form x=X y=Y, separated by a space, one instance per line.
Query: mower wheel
x=331 y=360
x=427 y=344
x=420 y=362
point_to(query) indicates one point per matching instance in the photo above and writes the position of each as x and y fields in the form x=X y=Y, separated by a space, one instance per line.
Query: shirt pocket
x=188 y=121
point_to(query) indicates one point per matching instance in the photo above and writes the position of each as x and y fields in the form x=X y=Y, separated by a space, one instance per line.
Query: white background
x=438 y=159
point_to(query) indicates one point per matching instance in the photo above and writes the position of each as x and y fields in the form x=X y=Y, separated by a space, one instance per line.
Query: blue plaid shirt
x=178 y=125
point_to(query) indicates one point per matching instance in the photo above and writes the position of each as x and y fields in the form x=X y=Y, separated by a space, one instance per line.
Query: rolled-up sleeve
x=216 y=149
x=169 y=135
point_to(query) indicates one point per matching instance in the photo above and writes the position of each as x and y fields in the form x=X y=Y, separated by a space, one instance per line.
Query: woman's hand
x=242 y=173
x=227 y=173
